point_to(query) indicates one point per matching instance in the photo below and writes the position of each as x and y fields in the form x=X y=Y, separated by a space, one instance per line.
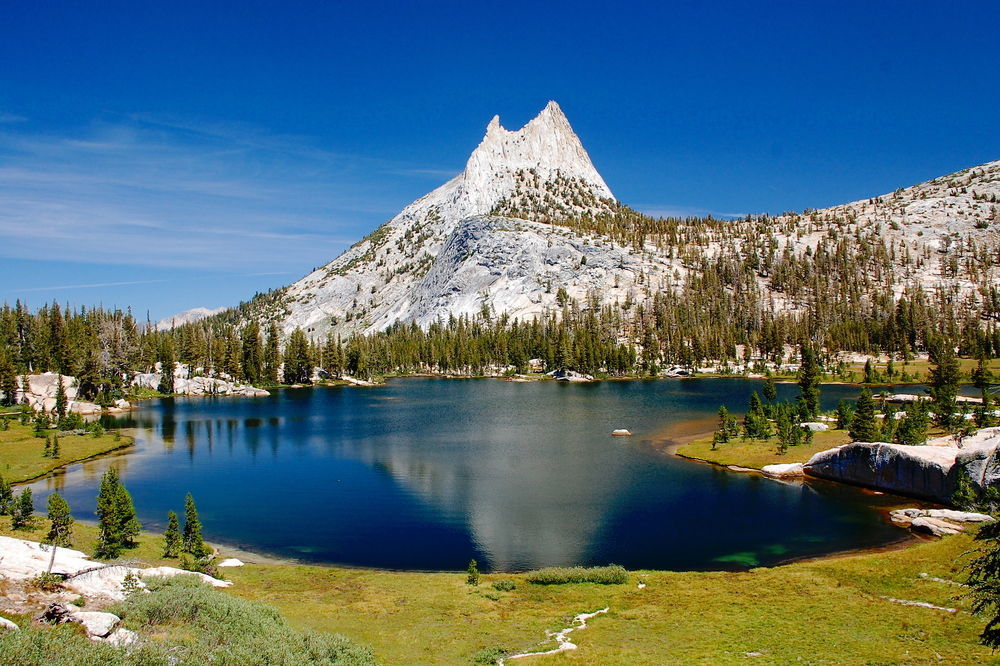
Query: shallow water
x=428 y=473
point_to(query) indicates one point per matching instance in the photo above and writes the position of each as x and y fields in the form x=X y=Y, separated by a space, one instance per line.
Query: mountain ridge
x=530 y=224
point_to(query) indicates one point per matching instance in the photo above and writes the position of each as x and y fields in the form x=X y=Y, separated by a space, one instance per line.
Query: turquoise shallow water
x=428 y=473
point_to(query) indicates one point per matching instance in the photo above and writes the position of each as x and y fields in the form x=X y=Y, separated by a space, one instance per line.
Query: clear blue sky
x=193 y=153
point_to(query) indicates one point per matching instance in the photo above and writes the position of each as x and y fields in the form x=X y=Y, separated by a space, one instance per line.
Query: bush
x=66 y=644
x=610 y=575
x=221 y=629
x=490 y=655
x=505 y=585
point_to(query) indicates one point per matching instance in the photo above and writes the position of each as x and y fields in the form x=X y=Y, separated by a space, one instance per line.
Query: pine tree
x=253 y=361
x=272 y=355
x=755 y=423
x=117 y=523
x=945 y=375
x=844 y=414
x=984 y=582
x=61 y=401
x=770 y=390
x=472 y=573
x=723 y=431
x=298 y=368
x=912 y=428
x=55 y=447
x=864 y=427
x=167 y=361
x=172 y=541
x=60 y=522
x=6 y=497
x=192 y=541
x=24 y=507
x=8 y=382
x=809 y=377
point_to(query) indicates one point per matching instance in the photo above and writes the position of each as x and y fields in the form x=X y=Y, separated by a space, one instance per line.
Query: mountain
x=186 y=317
x=530 y=225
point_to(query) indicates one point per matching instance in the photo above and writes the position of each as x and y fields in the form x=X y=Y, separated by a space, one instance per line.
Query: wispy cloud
x=160 y=192
x=11 y=118
x=89 y=286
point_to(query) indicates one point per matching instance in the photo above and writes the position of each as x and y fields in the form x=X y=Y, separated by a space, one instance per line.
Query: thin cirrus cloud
x=93 y=285
x=167 y=194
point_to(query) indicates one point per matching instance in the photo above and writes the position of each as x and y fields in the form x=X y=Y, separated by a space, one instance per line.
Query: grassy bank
x=833 y=610
x=21 y=452
x=755 y=454
x=823 y=611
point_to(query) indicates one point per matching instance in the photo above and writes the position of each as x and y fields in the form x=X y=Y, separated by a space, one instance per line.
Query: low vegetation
x=22 y=454
x=609 y=575
x=183 y=621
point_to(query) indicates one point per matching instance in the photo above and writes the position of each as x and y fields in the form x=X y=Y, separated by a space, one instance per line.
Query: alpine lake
x=424 y=474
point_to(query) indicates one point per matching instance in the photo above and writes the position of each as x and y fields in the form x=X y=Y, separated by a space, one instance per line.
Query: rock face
x=485 y=241
x=917 y=471
x=198 y=385
x=186 y=317
x=928 y=472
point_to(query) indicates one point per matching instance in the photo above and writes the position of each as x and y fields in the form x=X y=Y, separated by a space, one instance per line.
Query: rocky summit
x=530 y=223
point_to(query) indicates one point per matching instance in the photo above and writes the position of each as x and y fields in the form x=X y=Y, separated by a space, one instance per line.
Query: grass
x=829 y=610
x=21 y=452
x=755 y=454
x=822 y=611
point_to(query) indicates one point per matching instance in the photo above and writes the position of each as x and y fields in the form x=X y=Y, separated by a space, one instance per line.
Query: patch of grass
x=609 y=575
x=21 y=452
x=755 y=454
x=821 y=611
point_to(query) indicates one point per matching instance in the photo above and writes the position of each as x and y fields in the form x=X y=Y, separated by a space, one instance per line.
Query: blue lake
x=425 y=474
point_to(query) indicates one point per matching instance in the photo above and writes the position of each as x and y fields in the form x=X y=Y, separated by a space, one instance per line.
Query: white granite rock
x=231 y=562
x=96 y=623
x=785 y=470
x=7 y=625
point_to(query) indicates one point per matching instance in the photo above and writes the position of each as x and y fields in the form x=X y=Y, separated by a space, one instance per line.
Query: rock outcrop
x=936 y=522
x=39 y=393
x=22 y=560
x=927 y=472
x=199 y=385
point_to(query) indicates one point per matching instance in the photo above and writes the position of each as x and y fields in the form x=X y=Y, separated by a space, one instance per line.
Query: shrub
x=221 y=629
x=610 y=575
x=490 y=655
x=505 y=585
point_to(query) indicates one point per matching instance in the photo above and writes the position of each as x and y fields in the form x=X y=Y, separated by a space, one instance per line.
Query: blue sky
x=183 y=155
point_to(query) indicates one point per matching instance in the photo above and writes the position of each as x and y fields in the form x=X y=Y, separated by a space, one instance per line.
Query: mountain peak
x=546 y=146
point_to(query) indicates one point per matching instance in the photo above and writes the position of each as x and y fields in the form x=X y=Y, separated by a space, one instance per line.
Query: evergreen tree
x=24 y=507
x=192 y=540
x=167 y=361
x=770 y=390
x=6 y=497
x=912 y=428
x=253 y=355
x=869 y=372
x=472 y=573
x=60 y=522
x=809 y=376
x=117 y=523
x=298 y=368
x=844 y=414
x=8 y=381
x=172 y=541
x=55 y=447
x=755 y=423
x=724 y=425
x=272 y=354
x=984 y=582
x=864 y=427
x=61 y=401
x=945 y=375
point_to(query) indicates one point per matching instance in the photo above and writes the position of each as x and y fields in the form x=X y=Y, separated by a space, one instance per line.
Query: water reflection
x=424 y=474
